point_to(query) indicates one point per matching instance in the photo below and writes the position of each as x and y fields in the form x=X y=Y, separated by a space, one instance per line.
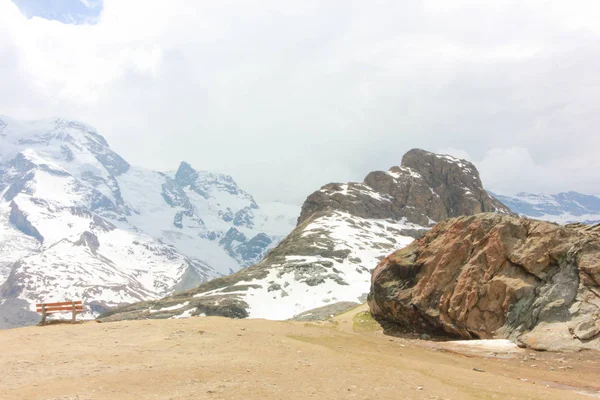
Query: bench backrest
x=65 y=306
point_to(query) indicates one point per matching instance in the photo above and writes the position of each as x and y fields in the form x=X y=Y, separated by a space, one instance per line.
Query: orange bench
x=75 y=307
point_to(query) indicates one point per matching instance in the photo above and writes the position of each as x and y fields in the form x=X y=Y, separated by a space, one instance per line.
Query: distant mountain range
x=563 y=208
x=77 y=221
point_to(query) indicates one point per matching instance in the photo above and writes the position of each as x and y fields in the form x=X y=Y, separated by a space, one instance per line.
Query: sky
x=288 y=96
x=66 y=11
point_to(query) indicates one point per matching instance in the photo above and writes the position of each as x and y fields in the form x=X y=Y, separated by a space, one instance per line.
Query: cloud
x=287 y=96
x=92 y=3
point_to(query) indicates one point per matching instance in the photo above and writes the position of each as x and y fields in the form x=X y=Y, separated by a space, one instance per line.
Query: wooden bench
x=75 y=307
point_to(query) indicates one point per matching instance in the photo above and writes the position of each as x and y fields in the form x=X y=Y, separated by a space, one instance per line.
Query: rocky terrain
x=346 y=357
x=77 y=221
x=425 y=189
x=563 y=208
x=496 y=276
x=344 y=230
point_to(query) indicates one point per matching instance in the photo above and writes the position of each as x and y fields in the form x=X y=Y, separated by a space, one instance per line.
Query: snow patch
x=503 y=345
x=175 y=307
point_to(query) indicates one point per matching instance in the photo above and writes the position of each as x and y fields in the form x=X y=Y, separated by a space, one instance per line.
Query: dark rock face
x=178 y=218
x=426 y=188
x=256 y=246
x=232 y=236
x=174 y=194
x=244 y=217
x=186 y=175
x=19 y=219
x=239 y=247
x=21 y=164
x=18 y=186
x=494 y=276
x=89 y=240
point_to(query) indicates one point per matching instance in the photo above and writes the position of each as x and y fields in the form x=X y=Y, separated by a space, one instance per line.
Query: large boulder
x=496 y=276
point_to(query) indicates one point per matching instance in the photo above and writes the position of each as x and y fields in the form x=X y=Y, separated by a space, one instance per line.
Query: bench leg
x=74 y=314
x=43 y=322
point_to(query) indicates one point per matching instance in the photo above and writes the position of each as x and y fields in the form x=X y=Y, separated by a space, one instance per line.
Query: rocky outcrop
x=495 y=276
x=425 y=189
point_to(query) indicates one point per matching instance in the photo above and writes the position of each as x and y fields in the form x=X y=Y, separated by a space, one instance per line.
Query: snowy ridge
x=461 y=163
x=301 y=283
x=78 y=222
x=563 y=208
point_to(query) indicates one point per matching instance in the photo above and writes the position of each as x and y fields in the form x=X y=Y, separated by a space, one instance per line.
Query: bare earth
x=219 y=358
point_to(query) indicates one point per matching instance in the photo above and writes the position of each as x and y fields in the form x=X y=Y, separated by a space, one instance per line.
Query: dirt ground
x=218 y=358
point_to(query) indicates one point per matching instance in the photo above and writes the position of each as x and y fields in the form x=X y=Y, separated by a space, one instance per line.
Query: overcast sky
x=286 y=96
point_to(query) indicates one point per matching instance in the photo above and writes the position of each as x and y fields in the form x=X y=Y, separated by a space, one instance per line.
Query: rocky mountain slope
x=78 y=222
x=342 y=233
x=563 y=208
x=497 y=276
x=425 y=189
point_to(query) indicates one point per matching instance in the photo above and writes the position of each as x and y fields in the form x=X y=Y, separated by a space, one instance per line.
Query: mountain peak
x=418 y=159
x=427 y=188
x=186 y=175
x=207 y=184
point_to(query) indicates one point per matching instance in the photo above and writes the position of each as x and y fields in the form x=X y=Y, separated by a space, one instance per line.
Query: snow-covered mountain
x=77 y=221
x=563 y=208
x=344 y=230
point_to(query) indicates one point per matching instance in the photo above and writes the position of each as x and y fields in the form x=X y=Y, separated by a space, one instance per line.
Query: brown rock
x=496 y=276
x=426 y=188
